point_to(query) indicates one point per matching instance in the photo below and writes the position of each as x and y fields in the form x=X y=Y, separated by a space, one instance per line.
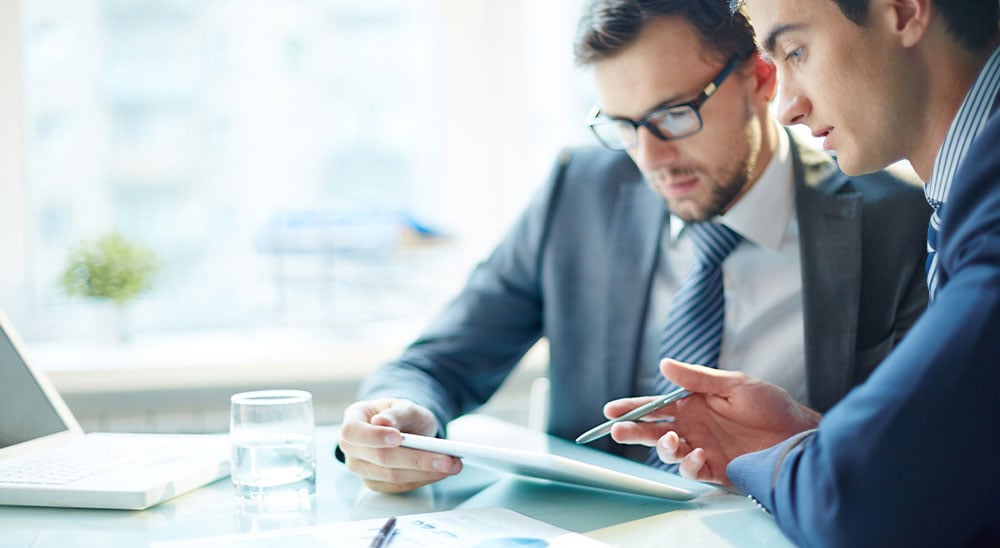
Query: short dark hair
x=973 y=23
x=609 y=26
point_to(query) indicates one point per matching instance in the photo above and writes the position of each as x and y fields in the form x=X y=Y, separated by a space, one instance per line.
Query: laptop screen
x=25 y=410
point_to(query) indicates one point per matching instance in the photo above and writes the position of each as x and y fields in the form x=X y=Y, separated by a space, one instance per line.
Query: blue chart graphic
x=513 y=543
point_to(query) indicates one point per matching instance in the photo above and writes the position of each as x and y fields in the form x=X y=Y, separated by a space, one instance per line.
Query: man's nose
x=652 y=152
x=793 y=106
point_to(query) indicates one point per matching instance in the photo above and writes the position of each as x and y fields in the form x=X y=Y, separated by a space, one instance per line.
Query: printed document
x=490 y=527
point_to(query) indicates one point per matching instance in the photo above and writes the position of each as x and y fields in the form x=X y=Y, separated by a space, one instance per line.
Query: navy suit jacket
x=577 y=268
x=912 y=456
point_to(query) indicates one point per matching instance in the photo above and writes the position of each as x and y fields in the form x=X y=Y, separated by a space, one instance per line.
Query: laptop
x=47 y=460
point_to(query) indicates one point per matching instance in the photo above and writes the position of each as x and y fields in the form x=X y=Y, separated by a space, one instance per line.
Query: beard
x=725 y=194
x=721 y=195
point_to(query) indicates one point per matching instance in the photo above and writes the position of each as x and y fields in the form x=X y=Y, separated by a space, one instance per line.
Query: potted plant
x=110 y=268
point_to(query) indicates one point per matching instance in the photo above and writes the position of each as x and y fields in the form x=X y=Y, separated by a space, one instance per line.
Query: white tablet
x=546 y=466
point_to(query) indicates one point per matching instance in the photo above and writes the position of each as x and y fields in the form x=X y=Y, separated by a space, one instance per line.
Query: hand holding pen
x=604 y=429
x=726 y=415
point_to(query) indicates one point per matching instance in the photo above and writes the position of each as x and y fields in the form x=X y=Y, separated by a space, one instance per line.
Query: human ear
x=908 y=19
x=765 y=76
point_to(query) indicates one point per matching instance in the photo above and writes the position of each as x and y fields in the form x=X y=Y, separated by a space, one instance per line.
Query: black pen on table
x=381 y=539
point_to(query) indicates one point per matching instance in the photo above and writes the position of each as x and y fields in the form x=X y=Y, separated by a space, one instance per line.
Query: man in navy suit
x=910 y=457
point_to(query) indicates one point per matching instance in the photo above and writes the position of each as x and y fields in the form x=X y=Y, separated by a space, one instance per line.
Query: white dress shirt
x=762 y=278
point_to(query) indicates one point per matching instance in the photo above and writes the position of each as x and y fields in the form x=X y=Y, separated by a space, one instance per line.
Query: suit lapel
x=637 y=220
x=829 y=215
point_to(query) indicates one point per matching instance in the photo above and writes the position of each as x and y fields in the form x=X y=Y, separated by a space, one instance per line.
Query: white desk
x=716 y=518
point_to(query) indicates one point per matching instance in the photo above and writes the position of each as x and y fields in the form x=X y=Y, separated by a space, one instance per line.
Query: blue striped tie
x=932 y=243
x=694 y=325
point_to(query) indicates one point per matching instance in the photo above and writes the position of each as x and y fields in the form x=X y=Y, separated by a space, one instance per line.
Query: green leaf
x=110 y=268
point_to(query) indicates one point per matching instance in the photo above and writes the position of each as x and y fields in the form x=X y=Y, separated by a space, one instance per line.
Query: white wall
x=494 y=102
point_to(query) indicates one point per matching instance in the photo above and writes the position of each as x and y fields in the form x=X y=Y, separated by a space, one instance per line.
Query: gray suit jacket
x=577 y=268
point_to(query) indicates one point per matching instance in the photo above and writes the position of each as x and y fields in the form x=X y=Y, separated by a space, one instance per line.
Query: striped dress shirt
x=969 y=121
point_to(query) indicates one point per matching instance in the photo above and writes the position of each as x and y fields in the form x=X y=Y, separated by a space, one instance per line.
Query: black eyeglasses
x=666 y=123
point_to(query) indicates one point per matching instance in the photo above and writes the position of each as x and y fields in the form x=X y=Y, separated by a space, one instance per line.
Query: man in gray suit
x=826 y=279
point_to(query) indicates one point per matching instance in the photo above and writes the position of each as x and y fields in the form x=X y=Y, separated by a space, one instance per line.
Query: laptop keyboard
x=78 y=460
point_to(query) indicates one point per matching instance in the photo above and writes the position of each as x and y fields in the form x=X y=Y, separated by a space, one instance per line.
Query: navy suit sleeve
x=909 y=457
x=749 y=475
x=461 y=359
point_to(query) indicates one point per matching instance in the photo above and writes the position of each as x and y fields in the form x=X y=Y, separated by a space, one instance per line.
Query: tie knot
x=713 y=242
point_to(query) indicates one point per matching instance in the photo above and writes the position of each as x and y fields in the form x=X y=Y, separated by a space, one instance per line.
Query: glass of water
x=274 y=446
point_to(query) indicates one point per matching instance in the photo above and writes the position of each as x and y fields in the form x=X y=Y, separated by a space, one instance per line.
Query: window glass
x=335 y=165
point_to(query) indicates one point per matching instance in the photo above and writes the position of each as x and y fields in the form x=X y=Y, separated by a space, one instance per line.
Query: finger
x=639 y=433
x=362 y=411
x=692 y=465
x=357 y=428
x=355 y=434
x=616 y=408
x=398 y=415
x=406 y=416
x=378 y=423
x=668 y=448
x=400 y=464
x=399 y=458
x=697 y=378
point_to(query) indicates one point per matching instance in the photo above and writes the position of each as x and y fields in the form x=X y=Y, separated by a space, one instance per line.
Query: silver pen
x=639 y=412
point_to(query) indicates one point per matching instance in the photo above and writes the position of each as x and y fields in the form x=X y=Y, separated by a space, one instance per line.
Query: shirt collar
x=969 y=121
x=761 y=214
